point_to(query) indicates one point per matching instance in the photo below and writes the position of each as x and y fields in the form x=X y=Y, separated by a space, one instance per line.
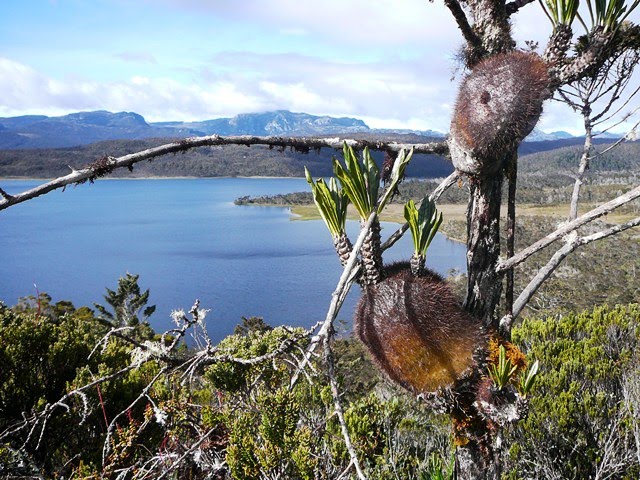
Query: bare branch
x=546 y=271
x=5 y=195
x=337 y=405
x=568 y=228
x=582 y=168
x=167 y=470
x=349 y=275
x=108 y=164
x=513 y=7
x=463 y=24
x=145 y=391
x=512 y=175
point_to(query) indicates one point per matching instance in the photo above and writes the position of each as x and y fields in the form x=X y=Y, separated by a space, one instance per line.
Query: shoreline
x=260 y=177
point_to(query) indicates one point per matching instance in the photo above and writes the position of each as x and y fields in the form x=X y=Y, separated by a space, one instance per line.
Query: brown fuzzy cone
x=371 y=255
x=498 y=105
x=416 y=330
x=343 y=247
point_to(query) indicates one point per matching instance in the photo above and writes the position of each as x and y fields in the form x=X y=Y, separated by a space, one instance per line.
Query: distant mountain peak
x=81 y=128
x=276 y=122
x=539 y=136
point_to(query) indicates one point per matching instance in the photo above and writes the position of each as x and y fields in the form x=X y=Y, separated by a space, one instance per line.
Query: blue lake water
x=187 y=240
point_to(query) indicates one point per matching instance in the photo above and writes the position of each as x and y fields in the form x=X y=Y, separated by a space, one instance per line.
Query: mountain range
x=83 y=128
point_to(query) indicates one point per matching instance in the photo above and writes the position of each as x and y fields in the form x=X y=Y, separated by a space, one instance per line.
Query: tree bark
x=484 y=285
x=475 y=455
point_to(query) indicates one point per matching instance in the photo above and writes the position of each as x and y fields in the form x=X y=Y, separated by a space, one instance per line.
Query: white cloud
x=399 y=93
x=374 y=22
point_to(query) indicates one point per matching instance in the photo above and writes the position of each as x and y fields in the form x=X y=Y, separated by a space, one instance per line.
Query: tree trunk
x=476 y=457
x=484 y=285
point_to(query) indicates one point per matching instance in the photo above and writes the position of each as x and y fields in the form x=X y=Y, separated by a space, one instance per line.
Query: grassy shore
x=458 y=212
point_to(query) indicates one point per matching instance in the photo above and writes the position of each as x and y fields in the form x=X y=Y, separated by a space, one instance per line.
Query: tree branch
x=349 y=275
x=463 y=24
x=107 y=164
x=545 y=272
x=337 y=404
x=567 y=228
x=513 y=7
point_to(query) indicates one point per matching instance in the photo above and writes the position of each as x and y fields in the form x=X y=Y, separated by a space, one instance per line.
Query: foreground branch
x=567 y=228
x=337 y=404
x=349 y=275
x=106 y=165
x=545 y=272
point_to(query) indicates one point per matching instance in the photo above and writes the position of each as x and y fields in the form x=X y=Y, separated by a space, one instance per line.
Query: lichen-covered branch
x=349 y=275
x=107 y=164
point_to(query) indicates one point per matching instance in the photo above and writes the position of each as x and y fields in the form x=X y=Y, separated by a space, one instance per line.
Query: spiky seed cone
x=498 y=105
x=371 y=255
x=416 y=330
x=343 y=247
x=417 y=264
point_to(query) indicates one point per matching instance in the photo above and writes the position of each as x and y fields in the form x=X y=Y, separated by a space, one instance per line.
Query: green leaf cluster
x=359 y=184
x=423 y=223
x=608 y=14
x=560 y=12
x=267 y=439
x=502 y=372
x=360 y=181
x=331 y=202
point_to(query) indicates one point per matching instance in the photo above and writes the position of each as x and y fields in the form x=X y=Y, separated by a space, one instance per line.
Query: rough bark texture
x=372 y=255
x=343 y=248
x=417 y=264
x=498 y=105
x=483 y=247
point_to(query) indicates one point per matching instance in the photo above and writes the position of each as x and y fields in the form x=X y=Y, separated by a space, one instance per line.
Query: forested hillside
x=223 y=161
x=552 y=158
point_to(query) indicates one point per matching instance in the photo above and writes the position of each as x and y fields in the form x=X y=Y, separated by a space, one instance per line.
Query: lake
x=187 y=240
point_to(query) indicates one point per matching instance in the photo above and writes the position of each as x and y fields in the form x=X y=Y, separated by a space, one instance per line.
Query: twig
x=582 y=168
x=106 y=447
x=337 y=404
x=102 y=167
x=513 y=7
x=511 y=229
x=568 y=228
x=193 y=447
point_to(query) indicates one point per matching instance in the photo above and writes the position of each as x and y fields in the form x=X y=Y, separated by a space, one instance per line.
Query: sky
x=390 y=63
